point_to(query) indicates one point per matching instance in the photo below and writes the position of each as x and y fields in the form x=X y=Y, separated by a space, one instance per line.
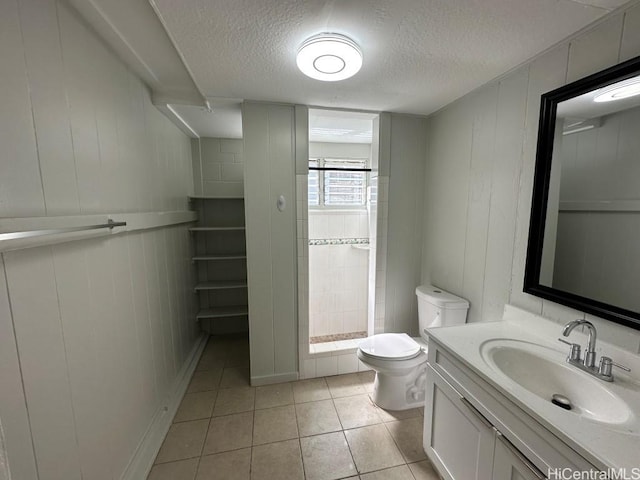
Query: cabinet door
x=510 y=464
x=457 y=439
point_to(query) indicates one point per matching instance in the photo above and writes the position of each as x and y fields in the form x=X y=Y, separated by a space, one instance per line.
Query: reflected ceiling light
x=329 y=57
x=626 y=89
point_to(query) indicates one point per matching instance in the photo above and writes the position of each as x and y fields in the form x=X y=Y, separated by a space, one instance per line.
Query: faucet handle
x=605 y=366
x=574 y=354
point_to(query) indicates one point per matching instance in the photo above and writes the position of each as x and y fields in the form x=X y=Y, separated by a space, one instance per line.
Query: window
x=336 y=188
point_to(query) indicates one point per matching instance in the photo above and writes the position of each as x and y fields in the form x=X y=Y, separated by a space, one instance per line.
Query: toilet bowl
x=400 y=362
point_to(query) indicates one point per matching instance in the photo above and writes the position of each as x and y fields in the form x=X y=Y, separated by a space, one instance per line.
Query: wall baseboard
x=270 y=379
x=142 y=460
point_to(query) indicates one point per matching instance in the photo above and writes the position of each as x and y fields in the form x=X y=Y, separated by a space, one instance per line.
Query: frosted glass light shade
x=329 y=57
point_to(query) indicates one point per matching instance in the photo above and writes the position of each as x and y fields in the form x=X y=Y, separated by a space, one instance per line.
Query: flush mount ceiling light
x=626 y=89
x=329 y=57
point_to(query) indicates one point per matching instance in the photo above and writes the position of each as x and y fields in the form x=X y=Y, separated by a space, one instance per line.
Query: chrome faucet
x=590 y=353
x=588 y=364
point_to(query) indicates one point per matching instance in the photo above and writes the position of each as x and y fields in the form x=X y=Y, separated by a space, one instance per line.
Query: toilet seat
x=390 y=346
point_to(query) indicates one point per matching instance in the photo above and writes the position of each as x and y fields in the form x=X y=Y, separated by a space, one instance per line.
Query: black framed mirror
x=584 y=232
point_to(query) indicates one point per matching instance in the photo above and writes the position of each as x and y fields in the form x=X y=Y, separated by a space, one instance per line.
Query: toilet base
x=394 y=392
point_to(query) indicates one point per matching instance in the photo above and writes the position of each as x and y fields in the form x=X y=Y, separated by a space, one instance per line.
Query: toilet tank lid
x=438 y=297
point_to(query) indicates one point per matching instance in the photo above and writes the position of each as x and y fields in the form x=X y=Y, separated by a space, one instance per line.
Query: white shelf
x=221 y=285
x=215 y=229
x=210 y=197
x=220 y=312
x=213 y=258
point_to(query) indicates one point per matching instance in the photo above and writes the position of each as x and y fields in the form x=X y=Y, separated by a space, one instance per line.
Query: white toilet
x=400 y=362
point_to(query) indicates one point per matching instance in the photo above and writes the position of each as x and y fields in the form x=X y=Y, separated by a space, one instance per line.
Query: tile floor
x=317 y=429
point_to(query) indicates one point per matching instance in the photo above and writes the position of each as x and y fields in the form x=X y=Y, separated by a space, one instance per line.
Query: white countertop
x=603 y=445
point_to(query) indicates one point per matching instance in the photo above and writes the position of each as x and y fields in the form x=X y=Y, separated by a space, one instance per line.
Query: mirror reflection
x=592 y=230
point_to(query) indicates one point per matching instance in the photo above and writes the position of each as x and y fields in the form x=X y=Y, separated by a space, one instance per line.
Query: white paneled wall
x=479 y=178
x=96 y=336
x=269 y=155
x=402 y=215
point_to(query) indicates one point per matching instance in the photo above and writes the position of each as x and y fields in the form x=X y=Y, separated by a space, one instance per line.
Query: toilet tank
x=437 y=308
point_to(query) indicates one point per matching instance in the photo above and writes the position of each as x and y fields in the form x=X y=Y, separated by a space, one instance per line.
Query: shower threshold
x=337 y=337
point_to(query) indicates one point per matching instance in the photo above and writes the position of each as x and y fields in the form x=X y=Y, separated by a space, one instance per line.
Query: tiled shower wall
x=338 y=271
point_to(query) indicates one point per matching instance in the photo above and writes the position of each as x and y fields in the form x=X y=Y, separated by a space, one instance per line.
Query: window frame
x=321 y=161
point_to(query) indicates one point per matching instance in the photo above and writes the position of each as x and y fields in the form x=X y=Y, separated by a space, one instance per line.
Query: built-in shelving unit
x=220 y=259
x=214 y=229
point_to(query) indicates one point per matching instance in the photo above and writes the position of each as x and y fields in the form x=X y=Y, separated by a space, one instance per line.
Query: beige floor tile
x=367 y=379
x=195 y=406
x=184 y=440
x=235 y=465
x=281 y=461
x=235 y=377
x=395 y=473
x=424 y=471
x=274 y=424
x=181 y=470
x=204 y=381
x=345 y=385
x=234 y=400
x=395 y=415
x=210 y=361
x=310 y=390
x=274 y=395
x=229 y=432
x=408 y=436
x=356 y=411
x=215 y=350
x=373 y=448
x=317 y=417
x=237 y=360
x=326 y=457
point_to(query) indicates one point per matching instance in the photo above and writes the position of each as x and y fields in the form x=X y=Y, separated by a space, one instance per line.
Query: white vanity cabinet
x=472 y=431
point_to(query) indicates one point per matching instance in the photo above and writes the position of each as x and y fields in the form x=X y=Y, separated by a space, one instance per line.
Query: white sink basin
x=544 y=372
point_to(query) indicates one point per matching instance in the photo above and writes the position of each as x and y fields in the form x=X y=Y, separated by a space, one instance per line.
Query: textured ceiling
x=419 y=55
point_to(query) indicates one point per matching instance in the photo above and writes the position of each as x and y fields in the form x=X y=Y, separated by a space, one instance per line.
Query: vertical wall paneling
x=77 y=312
x=498 y=194
x=255 y=128
x=404 y=222
x=283 y=224
x=505 y=185
x=80 y=66
x=21 y=191
x=479 y=197
x=148 y=350
x=130 y=383
x=268 y=132
x=446 y=209
x=112 y=400
x=104 y=329
x=13 y=406
x=630 y=44
x=545 y=73
x=596 y=49
x=43 y=359
x=43 y=56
